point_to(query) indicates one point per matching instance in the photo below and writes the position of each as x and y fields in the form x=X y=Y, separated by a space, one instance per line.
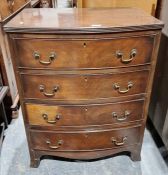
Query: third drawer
x=84 y=115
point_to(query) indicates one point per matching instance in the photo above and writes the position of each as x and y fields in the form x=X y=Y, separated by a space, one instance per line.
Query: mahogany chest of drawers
x=84 y=79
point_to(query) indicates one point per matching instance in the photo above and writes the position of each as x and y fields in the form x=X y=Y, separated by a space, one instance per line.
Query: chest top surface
x=74 y=20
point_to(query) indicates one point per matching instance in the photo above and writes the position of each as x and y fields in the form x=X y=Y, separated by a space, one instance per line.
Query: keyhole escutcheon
x=84 y=45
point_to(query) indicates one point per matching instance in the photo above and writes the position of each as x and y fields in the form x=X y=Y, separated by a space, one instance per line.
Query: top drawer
x=83 y=54
x=8 y=7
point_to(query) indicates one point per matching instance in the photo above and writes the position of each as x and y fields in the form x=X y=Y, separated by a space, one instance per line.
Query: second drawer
x=83 y=87
x=84 y=115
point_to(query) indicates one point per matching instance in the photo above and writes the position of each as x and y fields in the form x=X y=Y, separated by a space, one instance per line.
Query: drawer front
x=76 y=116
x=83 y=87
x=76 y=141
x=40 y=53
x=8 y=7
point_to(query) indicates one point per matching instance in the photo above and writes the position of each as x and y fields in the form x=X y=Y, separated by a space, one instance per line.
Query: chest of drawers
x=84 y=79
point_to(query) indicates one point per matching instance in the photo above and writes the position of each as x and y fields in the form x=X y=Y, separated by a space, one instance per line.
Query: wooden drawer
x=7 y=7
x=85 y=141
x=83 y=87
x=83 y=115
x=80 y=54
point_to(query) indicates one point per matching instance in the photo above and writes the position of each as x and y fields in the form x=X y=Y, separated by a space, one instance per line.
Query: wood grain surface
x=77 y=20
x=85 y=102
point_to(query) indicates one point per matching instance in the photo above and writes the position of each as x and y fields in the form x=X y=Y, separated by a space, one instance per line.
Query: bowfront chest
x=84 y=79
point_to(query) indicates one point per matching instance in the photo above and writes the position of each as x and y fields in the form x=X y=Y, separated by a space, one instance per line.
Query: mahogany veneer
x=85 y=54
x=88 y=115
x=83 y=86
x=84 y=79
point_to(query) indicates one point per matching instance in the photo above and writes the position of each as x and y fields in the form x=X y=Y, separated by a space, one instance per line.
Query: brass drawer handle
x=59 y=143
x=11 y=4
x=120 y=55
x=116 y=86
x=122 y=117
x=37 y=56
x=118 y=143
x=45 y=117
x=54 y=90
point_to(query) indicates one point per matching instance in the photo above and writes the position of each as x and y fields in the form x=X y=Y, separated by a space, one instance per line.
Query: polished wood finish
x=82 y=21
x=88 y=115
x=84 y=87
x=85 y=54
x=85 y=141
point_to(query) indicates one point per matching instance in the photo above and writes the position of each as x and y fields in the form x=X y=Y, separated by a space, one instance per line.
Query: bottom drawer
x=85 y=141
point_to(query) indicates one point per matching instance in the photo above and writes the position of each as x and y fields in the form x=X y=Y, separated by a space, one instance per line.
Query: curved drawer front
x=76 y=141
x=83 y=87
x=77 y=116
x=71 y=54
x=8 y=7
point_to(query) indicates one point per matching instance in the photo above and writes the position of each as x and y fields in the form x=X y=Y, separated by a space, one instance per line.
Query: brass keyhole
x=86 y=109
x=84 y=45
x=86 y=79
